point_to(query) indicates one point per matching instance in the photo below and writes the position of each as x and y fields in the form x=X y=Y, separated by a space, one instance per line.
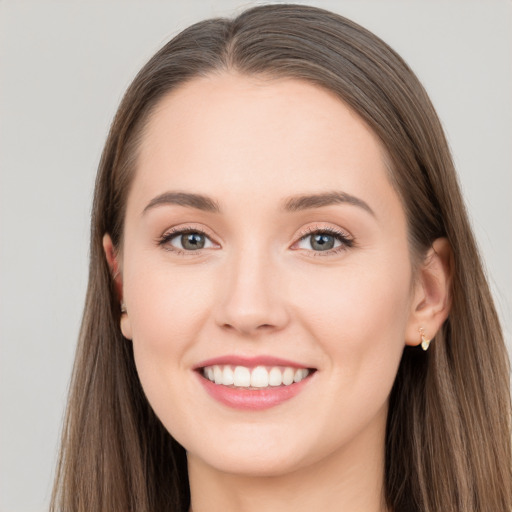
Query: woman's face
x=295 y=262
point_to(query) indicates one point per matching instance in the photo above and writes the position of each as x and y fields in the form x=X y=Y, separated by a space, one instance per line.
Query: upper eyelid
x=302 y=234
x=328 y=229
x=183 y=229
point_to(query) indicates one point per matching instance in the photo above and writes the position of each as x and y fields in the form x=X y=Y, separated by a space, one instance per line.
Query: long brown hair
x=448 y=441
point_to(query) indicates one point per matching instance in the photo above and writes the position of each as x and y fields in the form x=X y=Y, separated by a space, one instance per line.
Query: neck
x=349 y=480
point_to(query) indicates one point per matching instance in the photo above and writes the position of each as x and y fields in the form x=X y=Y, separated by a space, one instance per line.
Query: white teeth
x=288 y=375
x=242 y=377
x=300 y=374
x=217 y=374
x=228 y=377
x=275 y=377
x=258 y=377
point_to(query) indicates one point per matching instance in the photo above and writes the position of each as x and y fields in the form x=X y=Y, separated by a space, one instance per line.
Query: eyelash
x=346 y=242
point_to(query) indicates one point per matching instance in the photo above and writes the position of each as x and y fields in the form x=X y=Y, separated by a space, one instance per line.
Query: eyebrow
x=187 y=199
x=291 y=204
x=306 y=202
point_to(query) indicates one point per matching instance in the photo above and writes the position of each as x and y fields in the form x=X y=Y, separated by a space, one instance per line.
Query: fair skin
x=261 y=286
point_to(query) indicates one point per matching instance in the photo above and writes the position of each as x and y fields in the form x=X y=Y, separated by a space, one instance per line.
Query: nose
x=253 y=298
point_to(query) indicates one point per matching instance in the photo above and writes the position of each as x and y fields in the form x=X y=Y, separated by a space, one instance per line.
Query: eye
x=322 y=241
x=325 y=241
x=185 y=240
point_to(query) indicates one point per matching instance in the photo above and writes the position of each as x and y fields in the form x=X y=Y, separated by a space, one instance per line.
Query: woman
x=286 y=308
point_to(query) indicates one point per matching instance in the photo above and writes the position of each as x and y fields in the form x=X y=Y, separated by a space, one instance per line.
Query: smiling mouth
x=259 y=377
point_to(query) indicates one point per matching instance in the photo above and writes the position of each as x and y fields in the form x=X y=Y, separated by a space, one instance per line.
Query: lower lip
x=253 y=399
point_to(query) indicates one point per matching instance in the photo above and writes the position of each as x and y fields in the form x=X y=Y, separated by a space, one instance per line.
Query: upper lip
x=249 y=361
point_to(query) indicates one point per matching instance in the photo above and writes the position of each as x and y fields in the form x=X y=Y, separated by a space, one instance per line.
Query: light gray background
x=64 y=67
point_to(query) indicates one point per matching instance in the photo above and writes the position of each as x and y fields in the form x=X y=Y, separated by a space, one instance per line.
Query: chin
x=250 y=464
x=268 y=452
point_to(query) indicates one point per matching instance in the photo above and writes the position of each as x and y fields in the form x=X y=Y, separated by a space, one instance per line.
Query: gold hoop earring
x=425 y=343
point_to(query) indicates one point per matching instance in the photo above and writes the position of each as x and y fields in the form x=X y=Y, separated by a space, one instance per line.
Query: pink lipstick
x=253 y=383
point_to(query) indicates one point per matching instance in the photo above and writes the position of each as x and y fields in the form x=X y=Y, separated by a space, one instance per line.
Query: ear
x=115 y=269
x=432 y=293
x=113 y=263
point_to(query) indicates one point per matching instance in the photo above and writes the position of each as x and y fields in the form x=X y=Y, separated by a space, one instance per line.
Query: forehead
x=232 y=135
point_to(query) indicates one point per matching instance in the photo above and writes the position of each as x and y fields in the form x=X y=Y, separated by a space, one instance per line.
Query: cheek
x=166 y=305
x=358 y=319
x=167 y=314
x=358 y=314
x=166 y=310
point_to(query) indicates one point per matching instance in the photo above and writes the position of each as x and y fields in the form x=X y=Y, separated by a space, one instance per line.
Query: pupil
x=193 y=241
x=323 y=242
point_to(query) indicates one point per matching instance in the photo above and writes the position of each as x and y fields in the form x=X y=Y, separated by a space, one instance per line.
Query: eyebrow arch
x=306 y=202
x=292 y=204
x=189 y=200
